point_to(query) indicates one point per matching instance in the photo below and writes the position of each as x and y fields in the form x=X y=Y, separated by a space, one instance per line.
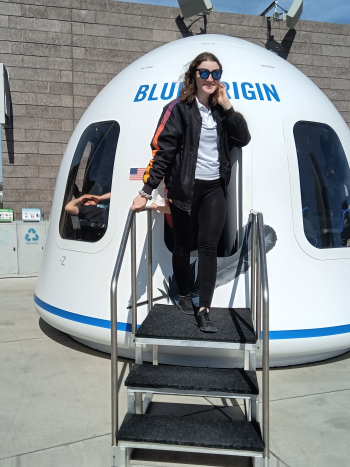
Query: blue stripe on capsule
x=101 y=323
x=126 y=327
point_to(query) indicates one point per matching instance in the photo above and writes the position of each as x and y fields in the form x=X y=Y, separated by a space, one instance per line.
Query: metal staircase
x=239 y=329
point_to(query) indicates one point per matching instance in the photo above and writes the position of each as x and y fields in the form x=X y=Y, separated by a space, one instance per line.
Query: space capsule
x=295 y=171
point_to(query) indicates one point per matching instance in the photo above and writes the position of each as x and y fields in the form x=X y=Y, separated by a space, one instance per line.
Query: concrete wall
x=59 y=58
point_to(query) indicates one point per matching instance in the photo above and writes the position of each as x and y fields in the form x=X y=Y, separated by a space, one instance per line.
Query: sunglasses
x=204 y=74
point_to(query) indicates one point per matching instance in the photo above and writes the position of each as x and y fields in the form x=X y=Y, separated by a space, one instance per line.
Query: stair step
x=234 y=325
x=190 y=431
x=231 y=381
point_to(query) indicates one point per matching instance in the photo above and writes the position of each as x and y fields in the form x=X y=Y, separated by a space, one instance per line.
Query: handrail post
x=114 y=323
x=258 y=289
x=149 y=257
x=133 y=279
x=266 y=359
x=114 y=360
x=253 y=267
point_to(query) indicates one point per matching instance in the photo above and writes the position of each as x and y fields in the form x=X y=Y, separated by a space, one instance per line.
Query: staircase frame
x=259 y=303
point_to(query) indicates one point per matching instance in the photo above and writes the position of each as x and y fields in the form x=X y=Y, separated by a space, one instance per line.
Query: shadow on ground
x=67 y=341
x=339 y=358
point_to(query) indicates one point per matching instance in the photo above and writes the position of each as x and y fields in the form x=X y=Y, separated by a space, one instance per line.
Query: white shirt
x=158 y=196
x=208 y=164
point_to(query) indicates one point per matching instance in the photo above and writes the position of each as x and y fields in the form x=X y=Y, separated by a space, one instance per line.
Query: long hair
x=189 y=90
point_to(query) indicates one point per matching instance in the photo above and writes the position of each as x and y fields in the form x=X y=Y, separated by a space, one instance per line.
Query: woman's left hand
x=95 y=198
x=223 y=100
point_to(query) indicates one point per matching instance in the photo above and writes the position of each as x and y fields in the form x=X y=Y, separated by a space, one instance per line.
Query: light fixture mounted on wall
x=291 y=16
x=195 y=7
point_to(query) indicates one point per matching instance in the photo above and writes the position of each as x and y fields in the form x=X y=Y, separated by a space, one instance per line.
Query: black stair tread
x=192 y=431
x=236 y=381
x=168 y=322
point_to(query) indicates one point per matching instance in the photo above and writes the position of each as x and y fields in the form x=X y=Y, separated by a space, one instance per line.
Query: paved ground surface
x=55 y=401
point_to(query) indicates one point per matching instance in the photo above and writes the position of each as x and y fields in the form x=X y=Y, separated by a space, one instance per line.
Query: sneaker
x=204 y=322
x=186 y=305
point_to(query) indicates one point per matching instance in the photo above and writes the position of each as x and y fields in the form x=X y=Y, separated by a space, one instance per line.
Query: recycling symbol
x=34 y=237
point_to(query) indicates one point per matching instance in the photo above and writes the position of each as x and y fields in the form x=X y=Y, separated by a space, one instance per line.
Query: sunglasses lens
x=204 y=74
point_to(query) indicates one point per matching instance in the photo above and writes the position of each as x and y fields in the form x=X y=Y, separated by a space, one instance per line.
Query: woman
x=191 y=147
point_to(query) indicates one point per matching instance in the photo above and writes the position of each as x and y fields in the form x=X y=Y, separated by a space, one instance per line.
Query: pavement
x=55 y=401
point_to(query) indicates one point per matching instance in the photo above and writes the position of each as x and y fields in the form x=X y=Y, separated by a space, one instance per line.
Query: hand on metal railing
x=139 y=203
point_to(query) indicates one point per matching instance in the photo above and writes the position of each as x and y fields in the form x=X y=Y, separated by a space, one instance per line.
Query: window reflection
x=86 y=202
x=324 y=185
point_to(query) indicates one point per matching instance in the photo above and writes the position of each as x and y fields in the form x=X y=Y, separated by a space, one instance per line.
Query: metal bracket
x=279 y=16
x=155 y=354
x=114 y=456
x=258 y=462
x=259 y=347
x=138 y=354
x=146 y=401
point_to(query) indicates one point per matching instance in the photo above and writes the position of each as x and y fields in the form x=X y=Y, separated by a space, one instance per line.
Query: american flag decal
x=136 y=174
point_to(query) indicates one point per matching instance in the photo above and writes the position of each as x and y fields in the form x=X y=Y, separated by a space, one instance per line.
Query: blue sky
x=313 y=10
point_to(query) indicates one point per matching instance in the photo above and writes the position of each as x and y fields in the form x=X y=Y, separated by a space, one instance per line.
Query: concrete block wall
x=60 y=55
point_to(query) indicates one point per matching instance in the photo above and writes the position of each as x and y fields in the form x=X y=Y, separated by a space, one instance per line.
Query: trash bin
x=31 y=238
x=8 y=249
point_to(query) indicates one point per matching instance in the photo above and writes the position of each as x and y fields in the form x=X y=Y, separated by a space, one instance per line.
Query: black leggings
x=207 y=217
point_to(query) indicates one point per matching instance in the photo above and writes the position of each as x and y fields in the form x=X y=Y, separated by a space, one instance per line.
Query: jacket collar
x=201 y=106
x=216 y=111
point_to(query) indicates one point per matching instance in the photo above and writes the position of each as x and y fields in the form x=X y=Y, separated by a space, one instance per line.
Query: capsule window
x=324 y=185
x=85 y=208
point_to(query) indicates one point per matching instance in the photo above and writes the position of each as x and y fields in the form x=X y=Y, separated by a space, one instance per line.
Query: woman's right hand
x=139 y=203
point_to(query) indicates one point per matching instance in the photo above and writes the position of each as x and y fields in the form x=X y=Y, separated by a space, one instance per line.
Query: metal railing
x=259 y=299
x=259 y=307
x=130 y=225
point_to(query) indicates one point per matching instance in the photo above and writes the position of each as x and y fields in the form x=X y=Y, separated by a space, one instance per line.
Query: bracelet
x=145 y=195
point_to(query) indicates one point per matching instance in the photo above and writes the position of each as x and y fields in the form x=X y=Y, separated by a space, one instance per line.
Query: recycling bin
x=31 y=238
x=8 y=249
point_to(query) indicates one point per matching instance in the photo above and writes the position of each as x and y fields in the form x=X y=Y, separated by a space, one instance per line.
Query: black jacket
x=175 y=148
